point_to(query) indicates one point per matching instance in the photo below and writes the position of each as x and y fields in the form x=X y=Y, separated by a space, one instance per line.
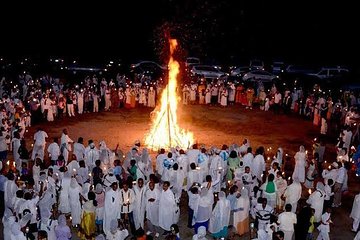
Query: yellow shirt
x=311 y=228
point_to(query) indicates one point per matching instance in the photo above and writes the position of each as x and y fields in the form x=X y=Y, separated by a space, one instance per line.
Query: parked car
x=298 y=69
x=149 y=68
x=191 y=61
x=207 y=71
x=260 y=75
x=257 y=65
x=278 y=67
x=239 y=71
x=330 y=72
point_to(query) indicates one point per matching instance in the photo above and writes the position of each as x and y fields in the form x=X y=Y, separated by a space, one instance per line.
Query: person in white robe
x=139 y=204
x=300 y=160
x=79 y=149
x=66 y=145
x=151 y=97
x=80 y=101
x=258 y=165
x=281 y=186
x=224 y=97
x=167 y=207
x=116 y=233
x=54 y=151
x=16 y=233
x=203 y=208
x=74 y=198
x=183 y=161
x=201 y=235
x=248 y=158
x=263 y=213
x=193 y=154
x=220 y=217
x=241 y=213
x=287 y=220
x=39 y=144
x=355 y=213
x=292 y=194
x=316 y=201
x=8 y=220
x=324 y=227
x=193 y=176
x=310 y=175
x=111 y=207
x=127 y=206
x=203 y=164
x=15 y=149
x=91 y=155
x=64 y=206
x=152 y=198
x=10 y=189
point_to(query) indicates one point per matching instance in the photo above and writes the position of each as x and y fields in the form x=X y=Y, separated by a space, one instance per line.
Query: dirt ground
x=212 y=126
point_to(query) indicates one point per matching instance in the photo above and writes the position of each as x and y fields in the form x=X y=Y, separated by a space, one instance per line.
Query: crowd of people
x=55 y=190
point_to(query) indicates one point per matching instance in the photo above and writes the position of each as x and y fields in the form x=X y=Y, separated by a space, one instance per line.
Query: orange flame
x=165 y=131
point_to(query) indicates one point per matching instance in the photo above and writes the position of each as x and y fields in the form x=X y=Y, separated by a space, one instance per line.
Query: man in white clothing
x=39 y=144
x=355 y=213
x=139 y=204
x=287 y=220
x=127 y=206
x=167 y=207
x=339 y=181
x=292 y=194
x=111 y=207
x=54 y=151
x=152 y=197
x=324 y=227
x=79 y=149
x=66 y=145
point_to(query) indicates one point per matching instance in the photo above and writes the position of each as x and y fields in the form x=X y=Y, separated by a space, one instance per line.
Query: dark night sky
x=223 y=30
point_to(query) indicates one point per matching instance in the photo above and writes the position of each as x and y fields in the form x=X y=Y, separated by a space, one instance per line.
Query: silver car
x=207 y=71
x=259 y=75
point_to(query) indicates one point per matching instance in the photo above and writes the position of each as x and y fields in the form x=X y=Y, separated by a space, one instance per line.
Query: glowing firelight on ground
x=165 y=131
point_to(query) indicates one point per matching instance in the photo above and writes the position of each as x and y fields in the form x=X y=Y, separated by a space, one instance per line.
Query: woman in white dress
x=74 y=198
x=300 y=159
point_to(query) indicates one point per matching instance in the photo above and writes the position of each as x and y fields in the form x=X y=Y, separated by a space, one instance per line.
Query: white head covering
x=62 y=220
x=73 y=183
x=113 y=226
x=98 y=188
x=102 y=145
x=201 y=232
x=244 y=192
x=302 y=148
x=100 y=237
x=320 y=186
x=15 y=229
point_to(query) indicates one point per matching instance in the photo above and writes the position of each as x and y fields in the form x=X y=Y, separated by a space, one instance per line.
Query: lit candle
x=32 y=145
x=268 y=158
x=74 y=170
x=309 y=191
x=197 y=168
x=329 y=167
x=8 y=162
x=14 y=164
x=262 y=175
x=306 y=151
x=315 y=139
x=70 y=218
x=325 y=162
x=89 y=174
x=286 y=155
x=283 y=173
x=220 y=168
x=289 y=178
x=229 y=182
x=123 y=156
